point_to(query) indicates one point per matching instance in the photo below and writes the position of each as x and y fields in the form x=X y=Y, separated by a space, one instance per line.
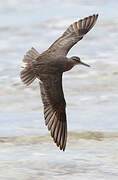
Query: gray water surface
x=26 y=149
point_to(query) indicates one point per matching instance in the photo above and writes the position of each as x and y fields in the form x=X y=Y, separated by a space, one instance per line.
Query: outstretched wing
x=54 y=107
x=72 y=35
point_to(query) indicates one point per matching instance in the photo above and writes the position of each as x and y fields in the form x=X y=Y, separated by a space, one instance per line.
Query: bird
x=48 y=67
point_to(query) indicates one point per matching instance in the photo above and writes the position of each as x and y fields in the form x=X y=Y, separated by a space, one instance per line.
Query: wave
x=72 y=136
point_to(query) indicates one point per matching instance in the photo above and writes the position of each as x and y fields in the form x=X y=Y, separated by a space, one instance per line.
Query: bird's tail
x=27 y=75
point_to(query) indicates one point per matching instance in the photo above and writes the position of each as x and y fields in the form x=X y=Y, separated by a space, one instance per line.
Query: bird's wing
x=72 y=35
x=54 y=107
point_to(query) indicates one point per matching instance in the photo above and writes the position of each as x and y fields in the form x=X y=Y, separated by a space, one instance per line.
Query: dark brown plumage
x=48 y=67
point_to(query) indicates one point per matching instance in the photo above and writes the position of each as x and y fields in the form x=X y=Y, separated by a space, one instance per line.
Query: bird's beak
x=84 y=64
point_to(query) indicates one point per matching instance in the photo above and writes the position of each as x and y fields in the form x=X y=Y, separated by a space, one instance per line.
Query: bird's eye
x=75 y=59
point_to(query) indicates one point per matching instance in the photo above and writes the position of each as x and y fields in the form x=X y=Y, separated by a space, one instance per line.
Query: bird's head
x=76 y=60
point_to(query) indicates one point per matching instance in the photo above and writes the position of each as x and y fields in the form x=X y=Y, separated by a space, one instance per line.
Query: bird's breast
x=68 y=68
x=69 y=65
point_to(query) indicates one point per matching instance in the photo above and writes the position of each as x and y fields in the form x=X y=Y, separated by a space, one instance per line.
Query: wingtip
x=97 y=15
x=57 y=128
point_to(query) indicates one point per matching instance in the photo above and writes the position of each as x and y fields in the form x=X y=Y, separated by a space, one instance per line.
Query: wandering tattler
x=48 y=67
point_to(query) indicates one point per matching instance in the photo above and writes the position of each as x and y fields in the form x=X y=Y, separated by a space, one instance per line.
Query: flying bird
x=48 y=67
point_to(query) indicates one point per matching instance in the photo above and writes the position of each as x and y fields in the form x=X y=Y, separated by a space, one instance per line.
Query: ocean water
x=26 y=149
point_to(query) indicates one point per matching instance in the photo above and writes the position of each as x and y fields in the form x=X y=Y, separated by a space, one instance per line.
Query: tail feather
x=27 y=75
x=31 y=55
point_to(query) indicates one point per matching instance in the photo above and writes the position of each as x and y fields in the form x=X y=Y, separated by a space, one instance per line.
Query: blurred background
x=26 y=148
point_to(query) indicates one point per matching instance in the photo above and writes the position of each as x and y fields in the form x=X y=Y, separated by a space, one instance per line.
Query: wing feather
x=54 y=108
x=72 y=35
